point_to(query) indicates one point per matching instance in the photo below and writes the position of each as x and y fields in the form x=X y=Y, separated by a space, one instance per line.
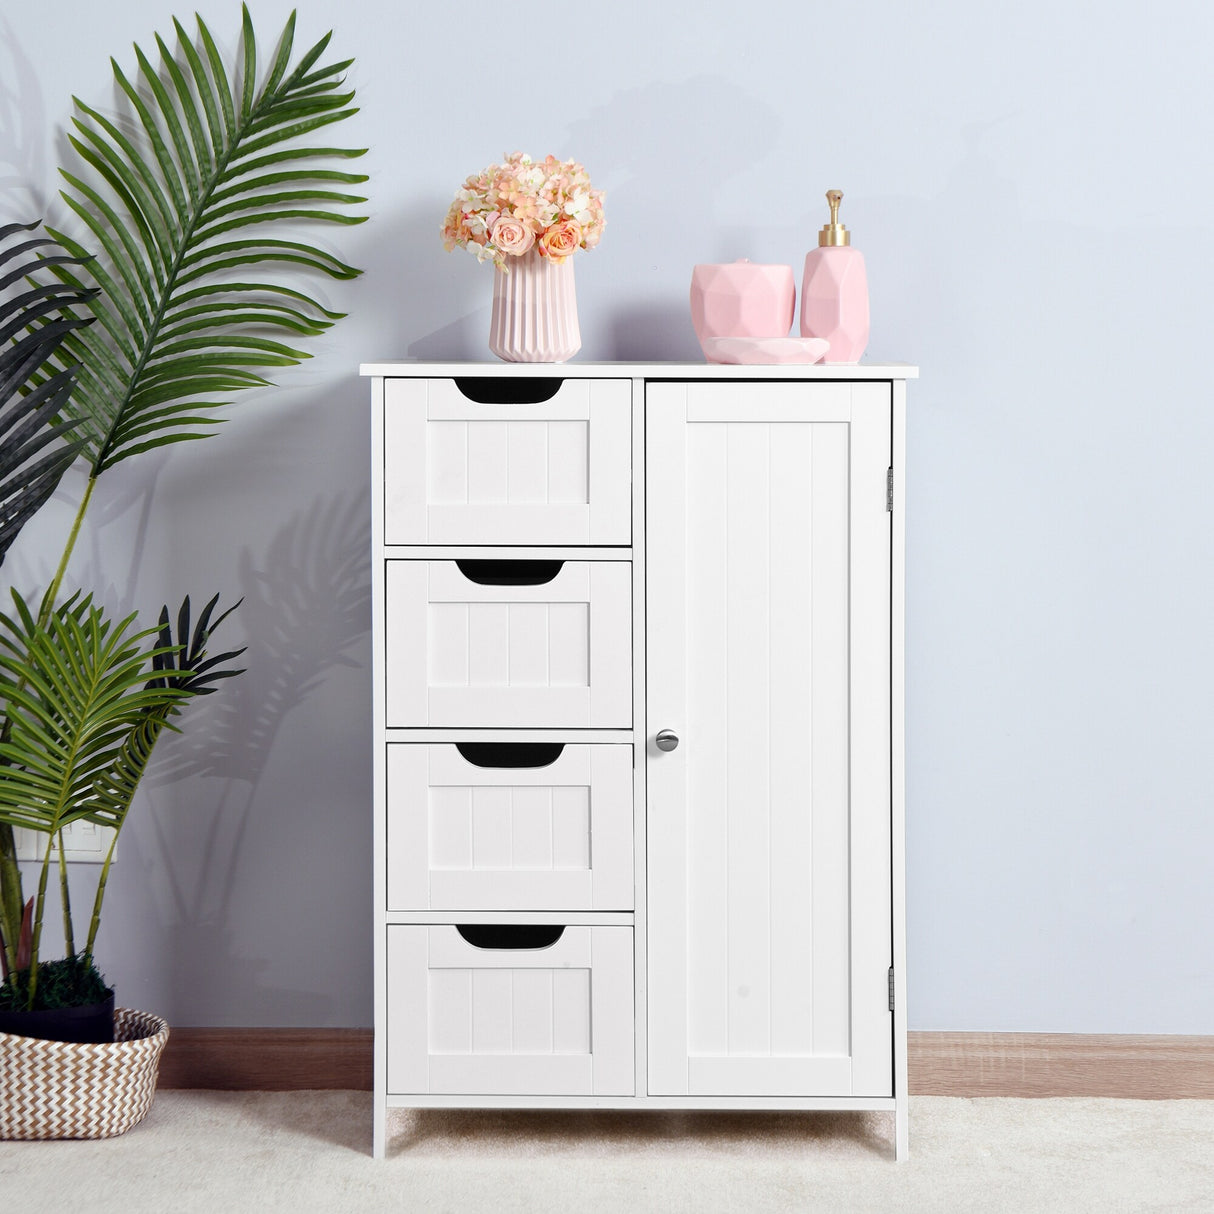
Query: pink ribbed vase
x=534 y=311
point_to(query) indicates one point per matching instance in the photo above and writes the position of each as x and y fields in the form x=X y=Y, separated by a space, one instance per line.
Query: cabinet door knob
x=667 y=739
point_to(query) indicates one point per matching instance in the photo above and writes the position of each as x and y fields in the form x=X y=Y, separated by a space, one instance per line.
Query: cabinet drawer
x=520 y=465
x=508 y=826
x=524 y=644
x=492 y=1019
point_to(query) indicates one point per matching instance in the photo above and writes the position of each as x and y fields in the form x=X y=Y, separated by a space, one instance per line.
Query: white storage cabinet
x=638 y=737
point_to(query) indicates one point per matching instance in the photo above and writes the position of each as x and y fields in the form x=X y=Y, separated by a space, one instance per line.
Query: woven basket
x=62 y=1089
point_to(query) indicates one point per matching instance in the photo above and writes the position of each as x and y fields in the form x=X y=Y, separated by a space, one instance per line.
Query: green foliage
x=186 y=192
x=74 y=689
x=36 y=444
x=65 y=982
x=86 y=700
x=193 y=197
x=75 y=740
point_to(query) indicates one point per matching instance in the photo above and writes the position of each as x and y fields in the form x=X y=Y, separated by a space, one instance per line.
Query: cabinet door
x=768 y=642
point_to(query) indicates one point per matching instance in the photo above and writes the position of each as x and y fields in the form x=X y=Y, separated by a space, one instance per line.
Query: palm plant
x=36 y=448
x=193 y=301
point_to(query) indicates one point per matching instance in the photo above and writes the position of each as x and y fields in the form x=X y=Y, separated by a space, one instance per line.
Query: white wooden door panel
x=787 y=403
x=468 y=837
x=768 y=653
x=554 y=655
x=544 y=1021
x=776 y=1075
x=553 y=472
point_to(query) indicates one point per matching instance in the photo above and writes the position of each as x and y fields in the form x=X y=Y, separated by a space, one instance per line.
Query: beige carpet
x=304 y=1151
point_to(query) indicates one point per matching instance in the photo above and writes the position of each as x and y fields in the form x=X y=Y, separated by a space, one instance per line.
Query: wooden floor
x=940 y=1064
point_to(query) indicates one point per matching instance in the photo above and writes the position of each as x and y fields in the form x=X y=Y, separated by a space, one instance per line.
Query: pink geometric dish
x=764 y=350
x=742 y=299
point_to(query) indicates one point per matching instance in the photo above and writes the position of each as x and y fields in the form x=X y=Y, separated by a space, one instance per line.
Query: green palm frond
x=86 y=701
x=181 y=666
x=74 y=690
x=82 y=718
x=195 y=199
x=36 y=442
x=182 y=669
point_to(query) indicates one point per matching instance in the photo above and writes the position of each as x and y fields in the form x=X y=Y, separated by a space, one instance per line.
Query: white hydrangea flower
x=577 y=206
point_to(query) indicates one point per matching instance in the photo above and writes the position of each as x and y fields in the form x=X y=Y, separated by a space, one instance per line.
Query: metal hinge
x=889 y=489
x=891 y=988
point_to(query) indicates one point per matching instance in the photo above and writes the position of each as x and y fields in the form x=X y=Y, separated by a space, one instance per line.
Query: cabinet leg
x=901 y=1130
x=379 y=1128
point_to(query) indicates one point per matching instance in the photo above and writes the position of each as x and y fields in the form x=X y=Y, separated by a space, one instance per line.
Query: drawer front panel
x=495 y=1021
x=553 y=472
x=553 y=655
x=462 y=836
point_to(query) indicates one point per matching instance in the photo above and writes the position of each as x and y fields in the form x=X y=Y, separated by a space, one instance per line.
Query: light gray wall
x=1031 y=186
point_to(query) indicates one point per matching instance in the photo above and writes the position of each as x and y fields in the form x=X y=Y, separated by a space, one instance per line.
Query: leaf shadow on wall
x=93 y=566
x=22 y=121
x=626 y=144
x=307 y=605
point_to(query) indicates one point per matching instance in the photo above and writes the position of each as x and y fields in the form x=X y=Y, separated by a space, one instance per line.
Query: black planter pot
x=90 y=1024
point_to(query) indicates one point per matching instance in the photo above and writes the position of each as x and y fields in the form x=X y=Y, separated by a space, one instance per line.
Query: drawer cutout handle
x=522 y=391
x=510 y=573
x=510 y=754
x=510 y=935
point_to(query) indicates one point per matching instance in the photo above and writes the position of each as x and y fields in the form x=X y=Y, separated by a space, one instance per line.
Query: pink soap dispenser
x=834 y=291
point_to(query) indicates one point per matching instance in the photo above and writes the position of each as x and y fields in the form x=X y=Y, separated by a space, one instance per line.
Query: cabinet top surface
x=645 y=370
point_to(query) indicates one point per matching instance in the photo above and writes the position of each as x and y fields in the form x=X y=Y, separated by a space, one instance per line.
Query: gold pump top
x=834 y=233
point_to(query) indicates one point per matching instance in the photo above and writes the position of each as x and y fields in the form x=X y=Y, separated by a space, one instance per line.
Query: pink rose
x=511 y=236
x=561 y=239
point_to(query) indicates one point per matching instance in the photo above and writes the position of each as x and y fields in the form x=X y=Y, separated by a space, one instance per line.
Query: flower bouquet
x=509 y=209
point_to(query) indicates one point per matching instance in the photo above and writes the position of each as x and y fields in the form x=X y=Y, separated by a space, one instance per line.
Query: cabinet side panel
x=871 y=893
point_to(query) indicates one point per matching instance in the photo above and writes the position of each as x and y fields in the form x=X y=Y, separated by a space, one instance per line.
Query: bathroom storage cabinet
x=638 y=737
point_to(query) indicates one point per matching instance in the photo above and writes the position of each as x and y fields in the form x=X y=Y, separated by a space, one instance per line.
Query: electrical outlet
x=83 y=843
